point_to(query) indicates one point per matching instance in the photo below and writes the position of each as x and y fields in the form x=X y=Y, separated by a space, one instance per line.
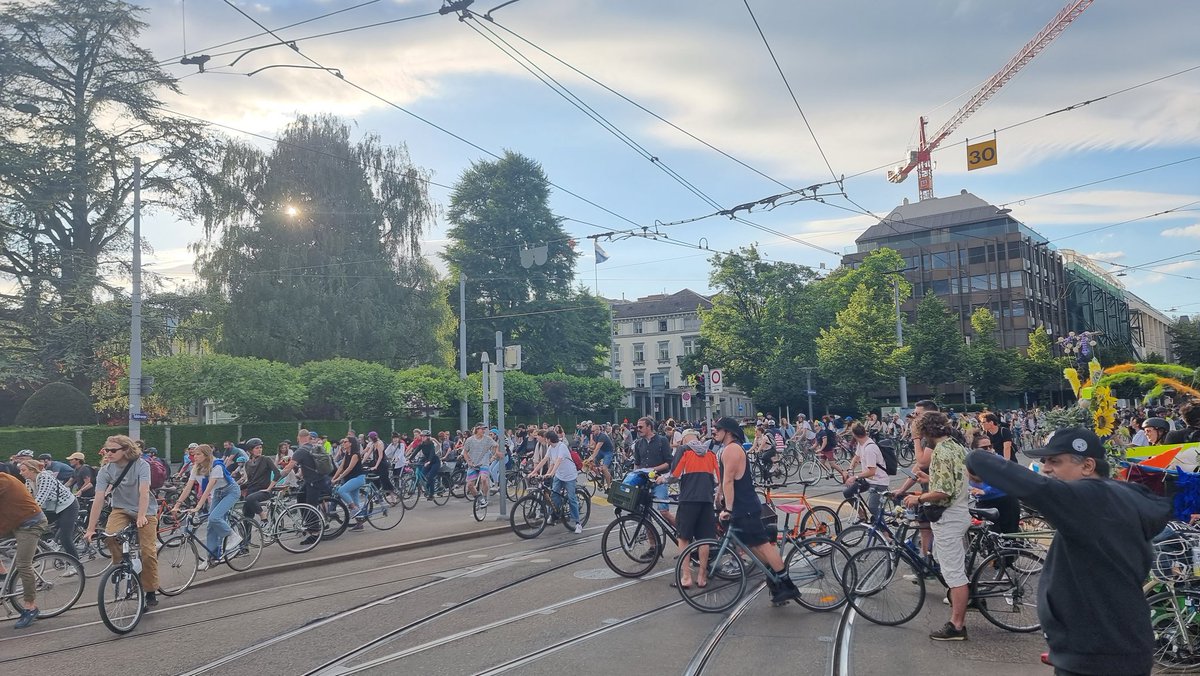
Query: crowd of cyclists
x=732 y=464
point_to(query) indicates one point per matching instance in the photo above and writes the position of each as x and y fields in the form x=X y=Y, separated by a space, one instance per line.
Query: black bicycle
x=120 y=596
x=542 y=506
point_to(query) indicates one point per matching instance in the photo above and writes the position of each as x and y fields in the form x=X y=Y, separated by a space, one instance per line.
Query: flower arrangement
x=1104 y=411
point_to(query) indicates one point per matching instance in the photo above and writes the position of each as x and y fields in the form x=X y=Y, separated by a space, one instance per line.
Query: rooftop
x=661 y=304
x=938 y=212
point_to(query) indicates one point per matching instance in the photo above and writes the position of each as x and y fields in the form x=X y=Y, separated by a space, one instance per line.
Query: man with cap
x=61 y=469
x=1090 y=601
x=83 y=477
x=741 y=509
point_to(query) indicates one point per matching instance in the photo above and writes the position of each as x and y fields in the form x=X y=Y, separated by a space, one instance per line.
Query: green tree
x=937 y=343
x=1154 y=358
x=1185 y=341
x=428 y=388
x=989 y=367
x=1040 y=371
x=762 y=326
x=497 y=209
x=858 y=354
x=318 y=255
x=66 y=173
x=349 y=388
x=56 y=404
x=251 y=389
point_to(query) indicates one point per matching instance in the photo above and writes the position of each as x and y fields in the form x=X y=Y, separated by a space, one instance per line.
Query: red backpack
x=577 y=460
x=158 y=473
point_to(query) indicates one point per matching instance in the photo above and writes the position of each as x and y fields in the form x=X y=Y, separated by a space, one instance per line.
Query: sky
x=862 y=72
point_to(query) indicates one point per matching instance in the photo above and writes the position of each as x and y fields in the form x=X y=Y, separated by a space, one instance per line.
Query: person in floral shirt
x=948 y=489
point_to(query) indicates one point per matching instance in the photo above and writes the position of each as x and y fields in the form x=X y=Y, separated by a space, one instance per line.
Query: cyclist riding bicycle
x=219 y=490
x=352 y=477
x=478 y=450
x=21 y=517
x=602 y=452
x=742 y=509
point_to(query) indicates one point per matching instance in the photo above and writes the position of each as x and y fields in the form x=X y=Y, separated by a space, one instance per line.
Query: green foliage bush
x=56 y=404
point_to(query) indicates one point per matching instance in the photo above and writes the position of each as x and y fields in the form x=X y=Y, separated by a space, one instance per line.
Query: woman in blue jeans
x=218 y=489
x=350 y=473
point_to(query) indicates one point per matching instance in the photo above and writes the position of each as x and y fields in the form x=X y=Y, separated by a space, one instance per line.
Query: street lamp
x=291 y=211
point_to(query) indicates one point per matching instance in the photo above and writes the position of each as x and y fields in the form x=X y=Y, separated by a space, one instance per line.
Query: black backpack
x=891 y=464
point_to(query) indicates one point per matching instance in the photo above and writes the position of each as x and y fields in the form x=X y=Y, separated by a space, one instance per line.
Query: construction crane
x=920 y=159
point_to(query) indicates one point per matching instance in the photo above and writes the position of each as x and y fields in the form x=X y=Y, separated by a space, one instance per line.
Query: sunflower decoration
x=1095 y=371
x=1104 y=411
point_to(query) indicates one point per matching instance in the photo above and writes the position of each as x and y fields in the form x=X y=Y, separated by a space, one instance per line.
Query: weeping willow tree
x=315 y=246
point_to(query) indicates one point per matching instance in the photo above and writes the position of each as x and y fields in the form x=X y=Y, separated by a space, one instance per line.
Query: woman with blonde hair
x=219 y=490
x=57 y=501
x=126 y=480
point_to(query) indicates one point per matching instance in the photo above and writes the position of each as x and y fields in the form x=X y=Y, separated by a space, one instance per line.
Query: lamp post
x=135 y=307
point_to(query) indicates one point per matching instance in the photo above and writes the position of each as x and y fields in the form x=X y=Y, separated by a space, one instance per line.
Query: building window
x=662 y=326
x=689 y=345
x=616 y=329
x=981 y=282
x=940 y=287
x=637 y=327
x=639 y=354
x=666 y=374
x=1016 y=279
x=976 y=254
x=1018 y=308
x=616 y=355
x=664 y=350
x=691 y=323
x=639 y=378
x=941 y=261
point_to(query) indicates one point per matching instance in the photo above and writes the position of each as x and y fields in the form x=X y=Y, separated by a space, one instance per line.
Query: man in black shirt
x=651 y=451
x=1002 y=439
x=315 y=485
x=1190 y=412
x=261 y=474
x=1090 y=601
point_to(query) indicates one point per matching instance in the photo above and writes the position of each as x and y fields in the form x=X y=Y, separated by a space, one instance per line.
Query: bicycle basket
x=627 y=497
x=1173 y=560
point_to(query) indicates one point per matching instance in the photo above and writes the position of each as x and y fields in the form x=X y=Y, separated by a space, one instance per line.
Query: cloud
x=1106 y=255
x=1186 y=231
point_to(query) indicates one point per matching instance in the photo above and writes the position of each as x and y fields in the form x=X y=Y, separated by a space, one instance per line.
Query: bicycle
x=1007 y=577
x=179 y=558
x=813 y=565
x=413 y=485
x=382 y=509
x=1175 y=601
x=814 y=521
x=119 y=595
x=58 y=576
x=291 y=524
x=532 y=513
x=640 y=535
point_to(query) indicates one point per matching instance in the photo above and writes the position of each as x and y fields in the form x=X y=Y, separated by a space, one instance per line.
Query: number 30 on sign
x=980 y=155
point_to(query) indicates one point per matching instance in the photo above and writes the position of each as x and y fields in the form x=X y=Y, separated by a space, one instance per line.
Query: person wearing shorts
x=602 y=452
x=948 y=488
x=695 y=468
x=477 y=451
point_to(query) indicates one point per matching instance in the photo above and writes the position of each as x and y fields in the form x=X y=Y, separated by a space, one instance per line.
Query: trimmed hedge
x=56 y=404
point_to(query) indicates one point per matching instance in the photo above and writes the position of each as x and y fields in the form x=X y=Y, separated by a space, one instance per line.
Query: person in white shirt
x=873 y=479
x=562 y=468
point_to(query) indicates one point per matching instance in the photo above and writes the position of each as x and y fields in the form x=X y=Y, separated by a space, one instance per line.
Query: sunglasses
x=111 y=450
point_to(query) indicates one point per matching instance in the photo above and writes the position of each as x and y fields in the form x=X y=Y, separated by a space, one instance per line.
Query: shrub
x=56 y=404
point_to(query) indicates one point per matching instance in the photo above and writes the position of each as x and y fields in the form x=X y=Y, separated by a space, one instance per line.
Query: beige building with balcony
x=651 y=336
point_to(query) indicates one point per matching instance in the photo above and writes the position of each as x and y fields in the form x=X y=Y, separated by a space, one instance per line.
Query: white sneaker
x=579 y=529
x=205 y=564
x=494 y=490
x=70 y=572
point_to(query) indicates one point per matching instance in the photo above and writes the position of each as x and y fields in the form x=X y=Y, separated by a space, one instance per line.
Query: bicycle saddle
x=988 y=513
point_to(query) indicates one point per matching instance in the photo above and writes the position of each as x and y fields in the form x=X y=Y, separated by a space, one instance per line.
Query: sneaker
x=579 y=529
x=235 y=540
x=949 y=633
x=311 y=539
x=483 y=503
x=494 y=490
x=151 y=599
x=357 y=526
x=27 y=617
x=205 y=564
x=70 y=572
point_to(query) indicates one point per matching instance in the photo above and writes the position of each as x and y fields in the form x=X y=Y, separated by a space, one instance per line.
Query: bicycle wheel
x=249 y=549
x=726 y=577
x=631 y=545
x=410 y=491
x=178 y=562
x=1175 y=618
x=458 y=483
x=856 y=537
x=296 y=524
x=58 y=583
x=820 y=521
x=514 y=485
x=818 y=576
x=385 y=511
x=480 y=507
x=529 y=517
x=121 y=599
x=336 y=515
x=94 y=556
x=1004 y=588
x=168 y=525
x=883 y=586
x=441 y=493
x=809 y=472
x=585 y=506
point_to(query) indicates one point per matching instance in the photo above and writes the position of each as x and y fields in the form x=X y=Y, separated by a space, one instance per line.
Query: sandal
x=676 y=586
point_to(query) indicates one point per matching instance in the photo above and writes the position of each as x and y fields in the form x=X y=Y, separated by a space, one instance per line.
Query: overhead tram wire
x=1181 y=207
x=792 y=93
x=428 y=122
x=638 y=105
x=558 y=88
x=291 y=25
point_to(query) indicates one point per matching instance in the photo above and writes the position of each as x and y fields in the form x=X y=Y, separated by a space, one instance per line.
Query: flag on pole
x=601 y=254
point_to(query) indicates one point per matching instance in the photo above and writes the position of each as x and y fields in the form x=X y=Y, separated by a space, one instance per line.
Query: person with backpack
x=316 y=466
x=874 y=476
x=218 y=489
x=158 y=469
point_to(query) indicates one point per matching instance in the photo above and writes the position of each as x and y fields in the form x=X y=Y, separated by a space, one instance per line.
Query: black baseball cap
x=730 y=425
x=1073 y=440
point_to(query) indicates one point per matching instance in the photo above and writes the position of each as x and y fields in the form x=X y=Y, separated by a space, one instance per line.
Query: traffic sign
x=741 y=408
x=982 y=154
x=716 y=381
x=139 y=416
x=687 y=398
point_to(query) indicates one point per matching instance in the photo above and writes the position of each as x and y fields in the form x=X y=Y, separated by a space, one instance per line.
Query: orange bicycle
x=813 y=521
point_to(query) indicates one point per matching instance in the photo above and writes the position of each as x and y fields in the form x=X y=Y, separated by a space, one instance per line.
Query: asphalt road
x=490 y=603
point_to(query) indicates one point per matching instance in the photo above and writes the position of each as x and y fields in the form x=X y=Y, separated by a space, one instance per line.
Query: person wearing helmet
x=261 y=474
x=1156 y=430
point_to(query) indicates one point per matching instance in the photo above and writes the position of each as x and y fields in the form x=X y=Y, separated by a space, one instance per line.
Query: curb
x=345 y=556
